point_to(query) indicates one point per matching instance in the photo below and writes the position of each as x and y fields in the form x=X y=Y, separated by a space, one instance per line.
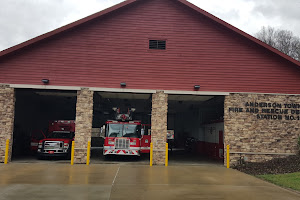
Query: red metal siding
x=114 y=49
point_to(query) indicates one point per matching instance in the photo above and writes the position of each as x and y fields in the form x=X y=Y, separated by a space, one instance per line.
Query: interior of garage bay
x=198 y=124
x=33 y=110
x=104 y=103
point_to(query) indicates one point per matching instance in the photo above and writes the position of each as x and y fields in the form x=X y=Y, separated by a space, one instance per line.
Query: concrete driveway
x=116 y=181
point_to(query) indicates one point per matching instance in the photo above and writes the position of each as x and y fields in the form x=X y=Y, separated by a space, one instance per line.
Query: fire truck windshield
x=68 y=135
x=124 y=130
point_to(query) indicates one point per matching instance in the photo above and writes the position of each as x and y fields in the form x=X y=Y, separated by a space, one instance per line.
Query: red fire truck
x=36 y=136
x=122 y=135
x=58 y=142
x=146 y=138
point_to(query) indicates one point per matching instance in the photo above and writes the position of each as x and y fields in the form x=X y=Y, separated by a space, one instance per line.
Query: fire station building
x=182 y=68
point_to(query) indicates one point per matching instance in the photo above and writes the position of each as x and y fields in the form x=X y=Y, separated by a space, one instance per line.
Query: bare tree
x=283 y=40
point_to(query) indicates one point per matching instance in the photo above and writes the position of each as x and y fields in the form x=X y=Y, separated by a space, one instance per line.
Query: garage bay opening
x=44 y=125
x=120 y=126
x=198 y=125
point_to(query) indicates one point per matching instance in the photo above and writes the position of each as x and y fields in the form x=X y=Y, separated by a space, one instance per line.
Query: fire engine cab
x=58 y=142
x=122 y=135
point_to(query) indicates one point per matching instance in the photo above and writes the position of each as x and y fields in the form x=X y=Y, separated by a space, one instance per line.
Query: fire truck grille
x=53 y=145
x=122 y=143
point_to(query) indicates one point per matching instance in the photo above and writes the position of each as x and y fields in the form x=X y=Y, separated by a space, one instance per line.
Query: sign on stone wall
x=262 y=126
x=270 y=110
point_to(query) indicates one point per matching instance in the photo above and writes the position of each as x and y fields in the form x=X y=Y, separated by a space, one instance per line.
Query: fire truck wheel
x=107 y=157
x=137 y=158
x=68 y=156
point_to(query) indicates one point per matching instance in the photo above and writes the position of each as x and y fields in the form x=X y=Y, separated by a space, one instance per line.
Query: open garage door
x=198 y=127
x=34 y=110
x=104 y=102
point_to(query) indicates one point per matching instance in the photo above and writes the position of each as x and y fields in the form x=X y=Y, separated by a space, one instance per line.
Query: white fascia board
x=47 y=87
x=55 y=87
x=121 y=90
x=196 y=93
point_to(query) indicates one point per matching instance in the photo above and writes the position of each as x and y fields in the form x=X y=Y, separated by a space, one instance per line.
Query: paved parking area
x=117 y=181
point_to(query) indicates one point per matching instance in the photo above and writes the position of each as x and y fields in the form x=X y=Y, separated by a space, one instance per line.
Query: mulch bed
x=276 y=166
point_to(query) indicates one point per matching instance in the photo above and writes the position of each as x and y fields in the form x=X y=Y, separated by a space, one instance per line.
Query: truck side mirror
x=142 y=131
x=102 y=131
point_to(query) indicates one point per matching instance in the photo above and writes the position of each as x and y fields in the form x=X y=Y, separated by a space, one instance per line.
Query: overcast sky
x=21 y=20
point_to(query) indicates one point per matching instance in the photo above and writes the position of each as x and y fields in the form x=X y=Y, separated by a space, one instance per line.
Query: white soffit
x=113 y=95
x=61 y=94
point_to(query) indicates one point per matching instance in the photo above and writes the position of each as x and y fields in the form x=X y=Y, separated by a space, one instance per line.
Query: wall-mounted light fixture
x=123 y=84
x=196 y=87
x=45 y=81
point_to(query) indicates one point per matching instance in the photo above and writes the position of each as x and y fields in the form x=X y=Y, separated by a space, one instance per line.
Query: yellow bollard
x=151 y=153
x=6 y=151
x=167 y=151
x=72 y=152
x=228 y=158
x=88 y=153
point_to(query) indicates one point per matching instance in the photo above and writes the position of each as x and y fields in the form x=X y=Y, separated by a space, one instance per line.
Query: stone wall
x=159 y=126
x=83 y=128
x=7 y=113
x=261 y=126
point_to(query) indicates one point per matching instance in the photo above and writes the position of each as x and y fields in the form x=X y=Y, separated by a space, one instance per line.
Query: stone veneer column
x=159 y=126
x=7 y=114
x=83 y=128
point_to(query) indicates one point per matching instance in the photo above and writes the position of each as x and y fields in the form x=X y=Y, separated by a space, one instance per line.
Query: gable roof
x=129 y=2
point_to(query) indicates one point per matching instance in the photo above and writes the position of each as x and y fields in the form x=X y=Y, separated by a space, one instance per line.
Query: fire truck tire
x=137 y=158
x=107 y=157
x=68 y=156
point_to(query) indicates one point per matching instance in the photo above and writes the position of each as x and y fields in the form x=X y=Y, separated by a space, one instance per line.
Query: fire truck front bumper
x=129 y=152
x=53 y=152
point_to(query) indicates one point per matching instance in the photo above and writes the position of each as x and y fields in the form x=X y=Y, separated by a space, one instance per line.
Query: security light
x=45 y=81
x=196 y=87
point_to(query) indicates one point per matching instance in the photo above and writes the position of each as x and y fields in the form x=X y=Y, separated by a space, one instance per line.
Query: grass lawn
x=291 y=180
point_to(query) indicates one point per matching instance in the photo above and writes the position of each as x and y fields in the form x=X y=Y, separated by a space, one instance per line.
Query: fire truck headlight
x=66 y=145
x=111 y=141
x=133 y=142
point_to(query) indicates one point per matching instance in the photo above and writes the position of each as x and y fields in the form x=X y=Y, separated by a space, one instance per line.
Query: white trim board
x=124 y=90
x=48 y=87
x=121 y=90
x=196 y=93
